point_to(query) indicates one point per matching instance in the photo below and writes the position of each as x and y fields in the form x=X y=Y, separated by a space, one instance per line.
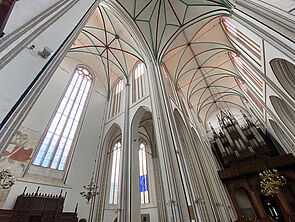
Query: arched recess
x=142 y=132
x=281 y=135
x=285 y=112
x=113 y=136
x=244 y=202
x=285 y=74
x=188 y=165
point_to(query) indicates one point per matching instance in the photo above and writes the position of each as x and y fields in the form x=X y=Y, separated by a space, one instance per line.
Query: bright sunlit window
x=117 y=98
x=138 y=82
x=143 y=175
x=115 y=175
x=250 y=73
x=241 y=38
x=58 y=140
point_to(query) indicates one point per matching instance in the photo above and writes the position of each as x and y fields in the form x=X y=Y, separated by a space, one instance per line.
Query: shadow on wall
x=285 y=74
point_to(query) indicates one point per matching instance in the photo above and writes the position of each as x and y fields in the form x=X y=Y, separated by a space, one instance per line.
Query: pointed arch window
x=138 y=89
x=115 y=174
x=243 y=39
x=117 y=95
x=168 y=83
x=143 y=174
x=58 y=140
x=250 y=74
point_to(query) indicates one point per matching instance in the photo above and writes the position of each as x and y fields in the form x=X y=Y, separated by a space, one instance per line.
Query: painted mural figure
x=19 y=152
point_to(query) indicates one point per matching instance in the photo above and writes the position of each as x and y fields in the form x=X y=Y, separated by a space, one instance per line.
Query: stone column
x=173 y=188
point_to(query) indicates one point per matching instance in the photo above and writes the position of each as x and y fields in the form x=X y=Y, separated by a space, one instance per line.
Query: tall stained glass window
x=57 y=142
x=117 y=98
x=143 y=175
x=138 y=82
x=247 y=42
x=115 y=175
x=250 y=74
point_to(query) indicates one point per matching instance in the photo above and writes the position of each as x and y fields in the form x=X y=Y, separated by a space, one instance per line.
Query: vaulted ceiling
x=187 y=36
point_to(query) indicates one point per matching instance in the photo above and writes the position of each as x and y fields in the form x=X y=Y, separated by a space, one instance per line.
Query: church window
x=251 y=96
x=168 y=83
x=247 y=42
x=138 y=91
x=117 y=97
x=57 y=142
x=143 y=175
x=250 y=74
x=115 y=175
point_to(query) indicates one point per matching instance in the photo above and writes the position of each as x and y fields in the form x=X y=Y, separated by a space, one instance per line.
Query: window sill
x=147 y=206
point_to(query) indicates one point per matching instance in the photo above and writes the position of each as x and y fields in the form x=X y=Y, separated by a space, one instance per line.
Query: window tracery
x=138 y=88
x=57 y=142
x=115 y=174
x=243 y=39
x=250 y=74
x=117 y=96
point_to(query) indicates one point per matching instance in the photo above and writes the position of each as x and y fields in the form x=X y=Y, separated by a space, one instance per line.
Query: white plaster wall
x=264 y=12
x=21 y=71
x=80 y=170
x=272 y=53
x=41 y=112
x=25 y=10
x=285 y=5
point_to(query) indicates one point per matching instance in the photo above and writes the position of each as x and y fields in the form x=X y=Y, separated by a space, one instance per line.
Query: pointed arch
x=285 y=74
x=61 y=133
x=285 y=112
x=138 y=89
x=281 y=135
x=116 y=100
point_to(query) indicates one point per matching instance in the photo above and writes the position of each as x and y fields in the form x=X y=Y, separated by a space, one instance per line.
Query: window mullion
x=115 y=174
x=56 y=145
x=54 y=132
x=119 y=102
x=147 y=173
x=141 y=81
x=66 y=121
x=134 y=88
x=138 y=89
x=119 y=170
x=142 y=173
x=75 y=99
x=114 y=104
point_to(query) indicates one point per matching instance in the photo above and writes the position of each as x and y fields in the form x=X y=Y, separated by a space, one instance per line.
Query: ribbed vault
x=186 y=36
x=105 y=42
x=200 y=65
